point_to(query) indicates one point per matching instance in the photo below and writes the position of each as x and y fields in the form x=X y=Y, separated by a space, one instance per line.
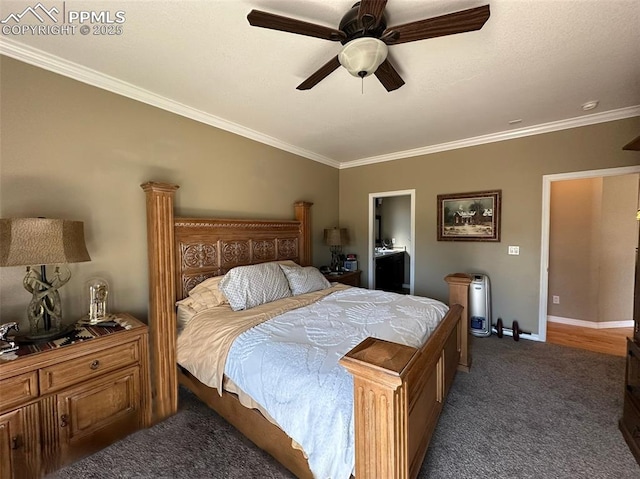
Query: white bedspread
x=289 y=365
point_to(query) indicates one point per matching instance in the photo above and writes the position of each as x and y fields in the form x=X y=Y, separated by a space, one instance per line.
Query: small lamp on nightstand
x=40 y=242
x=336 y=238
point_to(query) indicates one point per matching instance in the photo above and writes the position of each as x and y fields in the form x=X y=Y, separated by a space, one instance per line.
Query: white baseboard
x=591 y=324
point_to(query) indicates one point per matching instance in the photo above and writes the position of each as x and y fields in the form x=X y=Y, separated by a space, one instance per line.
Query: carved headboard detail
x=211 y=247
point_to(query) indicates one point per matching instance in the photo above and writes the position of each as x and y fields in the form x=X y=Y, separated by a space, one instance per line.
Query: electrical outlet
x=556 y=300
x=515 y=250
x=393 y=241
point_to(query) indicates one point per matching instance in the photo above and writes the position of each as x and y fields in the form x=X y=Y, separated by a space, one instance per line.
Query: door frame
x=546 y=213
x=372 y=239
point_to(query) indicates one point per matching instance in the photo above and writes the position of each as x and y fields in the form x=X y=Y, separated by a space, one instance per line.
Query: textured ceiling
x=536 y=61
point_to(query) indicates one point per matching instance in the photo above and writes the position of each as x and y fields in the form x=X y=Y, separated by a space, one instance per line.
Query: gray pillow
x=248 y=286
x=304 y=279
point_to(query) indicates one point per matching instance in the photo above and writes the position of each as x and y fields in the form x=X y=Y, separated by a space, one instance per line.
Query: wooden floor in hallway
x=608 y=341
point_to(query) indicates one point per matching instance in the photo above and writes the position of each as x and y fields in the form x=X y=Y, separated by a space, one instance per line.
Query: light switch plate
x=514 y=250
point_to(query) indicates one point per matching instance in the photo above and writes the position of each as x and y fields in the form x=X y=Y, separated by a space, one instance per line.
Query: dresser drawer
x=67 y=373
x=17 y=390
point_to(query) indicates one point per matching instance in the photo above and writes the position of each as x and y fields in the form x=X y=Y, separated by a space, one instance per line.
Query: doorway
x=547 y=181
x=381 y=229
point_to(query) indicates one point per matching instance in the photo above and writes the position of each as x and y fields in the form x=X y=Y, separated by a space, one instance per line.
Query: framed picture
x=469 y=216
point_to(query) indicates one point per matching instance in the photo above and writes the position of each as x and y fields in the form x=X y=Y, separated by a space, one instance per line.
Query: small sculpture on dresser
x=7 y=346
x=45 y=300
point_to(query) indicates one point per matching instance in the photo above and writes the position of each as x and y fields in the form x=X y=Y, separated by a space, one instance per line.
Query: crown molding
x=92 y=77
x=586 y=120
x=72 y=70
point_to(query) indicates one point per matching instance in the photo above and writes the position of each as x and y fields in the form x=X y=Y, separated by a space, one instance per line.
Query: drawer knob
x=64 y=420
x=95 y=364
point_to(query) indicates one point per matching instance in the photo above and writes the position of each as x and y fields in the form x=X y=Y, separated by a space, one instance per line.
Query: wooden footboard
x=399 y=392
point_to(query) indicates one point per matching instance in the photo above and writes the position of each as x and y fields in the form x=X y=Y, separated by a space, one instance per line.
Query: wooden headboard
x=185 y=251
x=211 y=247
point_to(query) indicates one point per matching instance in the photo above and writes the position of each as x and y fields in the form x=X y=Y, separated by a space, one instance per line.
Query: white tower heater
x=480 y=305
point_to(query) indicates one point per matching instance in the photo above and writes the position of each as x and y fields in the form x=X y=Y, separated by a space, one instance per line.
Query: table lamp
x=336 y=238
x=34 y=242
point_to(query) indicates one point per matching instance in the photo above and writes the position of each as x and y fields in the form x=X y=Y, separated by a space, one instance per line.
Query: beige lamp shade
x=40 y=241
x=336 y=236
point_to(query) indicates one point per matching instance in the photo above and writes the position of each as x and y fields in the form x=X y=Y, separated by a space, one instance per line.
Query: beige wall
x=69 y=150
x=395 y=212
x=574 y=239
x=593 y=237
x=619 y=239
x=516 y=167
x=73 y=151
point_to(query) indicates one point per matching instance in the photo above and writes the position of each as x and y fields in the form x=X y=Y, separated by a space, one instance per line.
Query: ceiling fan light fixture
x=362 y=56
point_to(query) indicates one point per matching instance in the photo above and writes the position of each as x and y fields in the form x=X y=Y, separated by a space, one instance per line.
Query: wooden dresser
x=61 y=402
x=630 y=421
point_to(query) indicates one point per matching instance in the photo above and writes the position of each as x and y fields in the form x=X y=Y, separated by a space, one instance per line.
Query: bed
x=398 y=390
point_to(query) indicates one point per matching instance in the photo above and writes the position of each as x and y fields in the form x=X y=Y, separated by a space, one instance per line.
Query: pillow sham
x=207 y=294
x=204 y=295
x=249 y=286
x=304 y=279
x=287 y=262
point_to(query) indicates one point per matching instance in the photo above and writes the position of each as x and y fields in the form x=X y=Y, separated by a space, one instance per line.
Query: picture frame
x=471 y=216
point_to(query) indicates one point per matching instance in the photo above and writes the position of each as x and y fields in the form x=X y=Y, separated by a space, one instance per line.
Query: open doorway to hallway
x=590 y=237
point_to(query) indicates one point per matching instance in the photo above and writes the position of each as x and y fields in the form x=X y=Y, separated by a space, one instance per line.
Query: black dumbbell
x=515 y=329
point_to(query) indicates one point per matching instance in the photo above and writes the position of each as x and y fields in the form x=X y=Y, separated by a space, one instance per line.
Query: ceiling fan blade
x=370 y=12
x=285 y=24
x=458 y=22
x=323 y=72
x=388 y=76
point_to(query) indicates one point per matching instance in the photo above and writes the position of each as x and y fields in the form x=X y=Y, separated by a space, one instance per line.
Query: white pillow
x=248 y=286
x=304 y=279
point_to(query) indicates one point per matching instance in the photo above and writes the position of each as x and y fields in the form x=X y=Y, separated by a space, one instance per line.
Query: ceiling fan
x=364 y=33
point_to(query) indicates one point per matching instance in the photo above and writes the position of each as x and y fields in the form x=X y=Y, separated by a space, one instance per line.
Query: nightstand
x=352 y=278
x=63 y=400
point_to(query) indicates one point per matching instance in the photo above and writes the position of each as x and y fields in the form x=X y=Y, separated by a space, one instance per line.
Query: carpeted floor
x=526 y=410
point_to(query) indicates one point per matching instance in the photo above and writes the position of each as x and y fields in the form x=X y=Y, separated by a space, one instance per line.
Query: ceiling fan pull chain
x=362 y=85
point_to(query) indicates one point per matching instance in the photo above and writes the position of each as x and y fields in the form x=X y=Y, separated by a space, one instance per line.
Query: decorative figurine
x=45 y=311
x=7 y=346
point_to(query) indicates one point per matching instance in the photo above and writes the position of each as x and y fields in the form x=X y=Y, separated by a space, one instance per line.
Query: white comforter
x=289 y=365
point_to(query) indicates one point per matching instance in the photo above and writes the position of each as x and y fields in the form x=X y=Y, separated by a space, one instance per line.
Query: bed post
x=303 y=215
x=162 y=294
x=459 y=294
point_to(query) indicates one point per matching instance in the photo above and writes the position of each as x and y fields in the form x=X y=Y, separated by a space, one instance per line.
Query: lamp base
x=42 y=336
